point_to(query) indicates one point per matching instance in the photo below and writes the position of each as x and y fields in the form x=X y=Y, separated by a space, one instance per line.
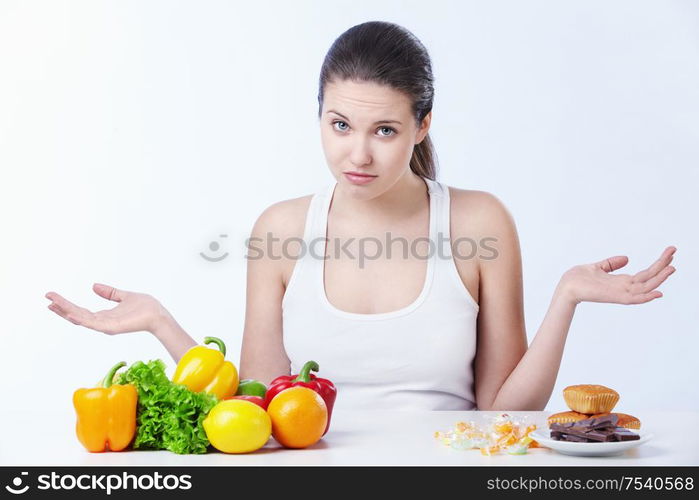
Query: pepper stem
x=305 y=373
x=217 y=341
x=109 y=377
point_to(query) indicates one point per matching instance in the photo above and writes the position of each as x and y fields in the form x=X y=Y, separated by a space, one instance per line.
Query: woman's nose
x=361 y=154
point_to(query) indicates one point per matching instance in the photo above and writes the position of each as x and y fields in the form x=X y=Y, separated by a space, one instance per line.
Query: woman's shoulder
x=285 y=218
x=475 y=210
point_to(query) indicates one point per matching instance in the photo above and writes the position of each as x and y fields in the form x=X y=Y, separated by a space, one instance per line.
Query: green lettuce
x=169 y=416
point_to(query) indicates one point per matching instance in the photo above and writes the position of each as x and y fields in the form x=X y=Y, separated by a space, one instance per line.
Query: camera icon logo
x=17 y=483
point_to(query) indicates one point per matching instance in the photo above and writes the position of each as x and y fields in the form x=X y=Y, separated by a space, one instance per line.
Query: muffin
x=627 y=421
x=590 y=399
x=565 y=417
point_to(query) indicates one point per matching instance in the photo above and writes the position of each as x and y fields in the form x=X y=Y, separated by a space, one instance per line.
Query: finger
x=655 y=281
x=109 y=292
x=92 y=321
x=65 y=304
x=656 y=267
x=613 y=263
x=51 y=295
x=71 y=312
x=664 y=259
x=53 y=307
x=642 y=298
x=70 y=317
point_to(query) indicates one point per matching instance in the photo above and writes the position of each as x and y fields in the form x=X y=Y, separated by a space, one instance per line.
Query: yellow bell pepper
x=106 y=416
x=205 y=370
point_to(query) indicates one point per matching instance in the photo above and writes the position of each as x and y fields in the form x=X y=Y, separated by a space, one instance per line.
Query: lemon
x=237 y=426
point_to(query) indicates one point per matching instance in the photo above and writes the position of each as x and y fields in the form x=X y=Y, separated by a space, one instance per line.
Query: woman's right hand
x=135 y=311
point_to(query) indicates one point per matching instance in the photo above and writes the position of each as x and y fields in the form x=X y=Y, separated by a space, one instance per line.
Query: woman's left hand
x=593 y=283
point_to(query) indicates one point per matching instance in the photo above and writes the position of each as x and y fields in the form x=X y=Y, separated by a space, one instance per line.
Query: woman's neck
x=402 y=200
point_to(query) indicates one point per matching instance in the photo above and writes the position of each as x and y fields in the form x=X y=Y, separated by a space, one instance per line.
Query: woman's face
x=370 y=129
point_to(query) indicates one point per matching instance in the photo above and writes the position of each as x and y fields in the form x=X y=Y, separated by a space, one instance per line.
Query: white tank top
x=419 y=357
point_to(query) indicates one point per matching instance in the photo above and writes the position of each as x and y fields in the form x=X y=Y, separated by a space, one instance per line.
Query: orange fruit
x=299 y=416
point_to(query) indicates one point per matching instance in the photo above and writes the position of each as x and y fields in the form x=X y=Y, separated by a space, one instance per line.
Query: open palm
x=134 y=312
x=594 y=283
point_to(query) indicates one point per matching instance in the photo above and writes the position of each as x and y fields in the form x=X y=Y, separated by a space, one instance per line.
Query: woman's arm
x=510 y=376
x=173 y=337
x=263 y=356
x=531 y=383
x=502 y=338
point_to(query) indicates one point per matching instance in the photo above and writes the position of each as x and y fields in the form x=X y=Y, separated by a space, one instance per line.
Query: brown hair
x=387 y=54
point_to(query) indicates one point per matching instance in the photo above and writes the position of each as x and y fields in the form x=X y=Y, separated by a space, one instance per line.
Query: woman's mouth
x=359 y=179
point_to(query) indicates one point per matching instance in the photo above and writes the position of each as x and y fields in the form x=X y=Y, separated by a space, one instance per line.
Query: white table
x=33 y=437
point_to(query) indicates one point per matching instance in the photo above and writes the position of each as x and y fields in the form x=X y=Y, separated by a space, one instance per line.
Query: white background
x=134 y=133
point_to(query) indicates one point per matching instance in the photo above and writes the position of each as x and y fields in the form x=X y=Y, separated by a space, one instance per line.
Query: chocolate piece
x=592 y=430
x=591 y=435
x=601 y=435
x=561 y=427
x=623 y=434
x=594 y=434
x=587 y=425
x=599 y=422
x=586 y=435
x=569 y=437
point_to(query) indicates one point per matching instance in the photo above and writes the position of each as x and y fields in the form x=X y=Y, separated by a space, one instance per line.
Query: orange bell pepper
x=106 y=416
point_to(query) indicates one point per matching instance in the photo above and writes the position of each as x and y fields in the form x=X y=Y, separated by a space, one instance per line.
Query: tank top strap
x=446 y=271
x=316 y=231
x=440 y=193
x=314 y=210
x=302 y=279
x=319 y=222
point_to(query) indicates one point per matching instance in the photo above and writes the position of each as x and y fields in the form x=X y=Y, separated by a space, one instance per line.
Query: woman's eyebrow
x=376 y=123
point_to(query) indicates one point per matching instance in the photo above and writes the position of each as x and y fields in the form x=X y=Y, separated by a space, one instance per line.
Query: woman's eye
x=390 y=131
x=343 y=123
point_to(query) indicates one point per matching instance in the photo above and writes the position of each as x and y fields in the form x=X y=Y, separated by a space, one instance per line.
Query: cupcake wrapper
x=590 y=404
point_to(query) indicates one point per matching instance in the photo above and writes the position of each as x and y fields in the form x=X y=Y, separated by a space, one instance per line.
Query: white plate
x=543 y=437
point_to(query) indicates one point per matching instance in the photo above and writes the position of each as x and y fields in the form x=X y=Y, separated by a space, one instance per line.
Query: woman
x=441 y=332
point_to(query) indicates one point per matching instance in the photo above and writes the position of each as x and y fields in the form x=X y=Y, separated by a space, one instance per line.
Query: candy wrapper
x=502 y=433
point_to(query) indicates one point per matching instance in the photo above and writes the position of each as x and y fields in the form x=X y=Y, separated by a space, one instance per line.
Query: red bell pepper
x=253 y=399
x=305 y=378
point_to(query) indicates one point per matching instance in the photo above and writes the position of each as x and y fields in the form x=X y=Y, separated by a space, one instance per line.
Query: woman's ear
x=424 y=128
